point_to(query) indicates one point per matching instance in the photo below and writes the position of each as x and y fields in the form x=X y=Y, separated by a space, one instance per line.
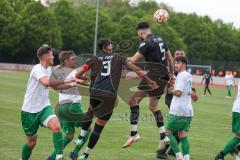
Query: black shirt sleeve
x=92 y=61
x=165 y=46
x=143 y=48
x=123 y=59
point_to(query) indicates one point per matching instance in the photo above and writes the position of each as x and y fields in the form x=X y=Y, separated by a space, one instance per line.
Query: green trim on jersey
x=32 y=121
x=177 y=123
x=70 y=116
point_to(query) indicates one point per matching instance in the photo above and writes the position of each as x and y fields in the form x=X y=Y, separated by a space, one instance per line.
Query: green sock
x=26 y=152
x=78 y=148
x=230 y=146
x=66 y=141
x=58 y=142
x=229 y=90
x=173 y=143
x=185 y=145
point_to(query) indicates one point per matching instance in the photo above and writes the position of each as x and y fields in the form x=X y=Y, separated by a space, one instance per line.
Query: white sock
x=88 y=150
x=186 y=157
x=83 y=133
x=162 y=129
x=179 y=155
x=134 y=127
x=59 y=156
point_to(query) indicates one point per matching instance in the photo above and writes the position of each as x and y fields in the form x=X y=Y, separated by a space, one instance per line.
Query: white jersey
x=182 y=106
x=70 y=95
x=229 y=79
x=36 y=97
x=236 y=104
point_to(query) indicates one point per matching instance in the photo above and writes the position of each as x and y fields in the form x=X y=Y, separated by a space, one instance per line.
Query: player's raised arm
x=170 y=63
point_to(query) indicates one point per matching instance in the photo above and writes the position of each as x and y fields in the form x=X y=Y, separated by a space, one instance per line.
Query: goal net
x=198 y=69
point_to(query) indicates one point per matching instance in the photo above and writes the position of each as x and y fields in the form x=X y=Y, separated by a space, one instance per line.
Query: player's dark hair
x=181 y=59
x=179 y=52
x=102 y=43
x=142 y=25
x=64 y=55
x=44 y=49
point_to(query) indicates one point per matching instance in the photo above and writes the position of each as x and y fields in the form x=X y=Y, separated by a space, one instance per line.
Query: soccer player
x=207 y=77
x=103 y=93
x=181 y=111
x=157 y=56
x=168 y=100
x=229 y=81
x=234 y=142
x=69 y=109
x=36 y=108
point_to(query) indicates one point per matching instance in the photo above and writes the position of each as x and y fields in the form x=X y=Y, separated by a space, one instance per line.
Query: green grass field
x=210 y=129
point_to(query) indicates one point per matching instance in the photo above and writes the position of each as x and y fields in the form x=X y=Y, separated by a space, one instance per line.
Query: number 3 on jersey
x=162 y=50
x=106 y=68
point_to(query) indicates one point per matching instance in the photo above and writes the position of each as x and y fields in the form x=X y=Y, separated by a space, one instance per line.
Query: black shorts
x=161 y=82
x=102 y=105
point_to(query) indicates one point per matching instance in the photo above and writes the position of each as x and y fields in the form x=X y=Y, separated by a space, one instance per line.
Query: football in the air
x=161 y=16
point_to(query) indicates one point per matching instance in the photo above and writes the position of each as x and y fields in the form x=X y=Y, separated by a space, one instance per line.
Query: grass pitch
x=210 y=128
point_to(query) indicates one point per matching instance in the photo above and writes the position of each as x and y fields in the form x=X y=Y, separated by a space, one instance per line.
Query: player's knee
x=153 y=108
x=131 y=102
x=32 y=143
x=237 y=136
x=101 y=122
x=70 y=136
x=56 y=127
x=182 y=134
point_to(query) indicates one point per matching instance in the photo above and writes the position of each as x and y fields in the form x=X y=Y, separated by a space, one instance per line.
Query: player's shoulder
x=184 y=74
x=36 y=68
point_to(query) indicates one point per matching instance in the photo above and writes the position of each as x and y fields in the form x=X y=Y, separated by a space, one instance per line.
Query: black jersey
x=107 y=70
x=207 y=77
x=154 y=49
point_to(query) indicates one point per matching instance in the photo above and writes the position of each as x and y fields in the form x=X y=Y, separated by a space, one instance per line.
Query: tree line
x=70 y=24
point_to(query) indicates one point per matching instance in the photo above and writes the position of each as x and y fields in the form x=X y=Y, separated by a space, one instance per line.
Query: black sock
x=159 y=121
x=134 y=117
x=86 y=155
x=87 y=121
x=95 y=136
x=162 y=136
x=159 y=118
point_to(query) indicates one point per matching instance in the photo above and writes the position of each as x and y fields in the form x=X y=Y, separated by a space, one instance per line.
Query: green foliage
x=70 y=25
x=10 y=29
x=40 y=27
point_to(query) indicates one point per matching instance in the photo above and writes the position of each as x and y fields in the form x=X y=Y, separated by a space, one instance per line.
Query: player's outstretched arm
x=52 y=82
x=70 y=85
x=177 y=93
x=136 y=57
x=142 y=74
x=170 y=63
